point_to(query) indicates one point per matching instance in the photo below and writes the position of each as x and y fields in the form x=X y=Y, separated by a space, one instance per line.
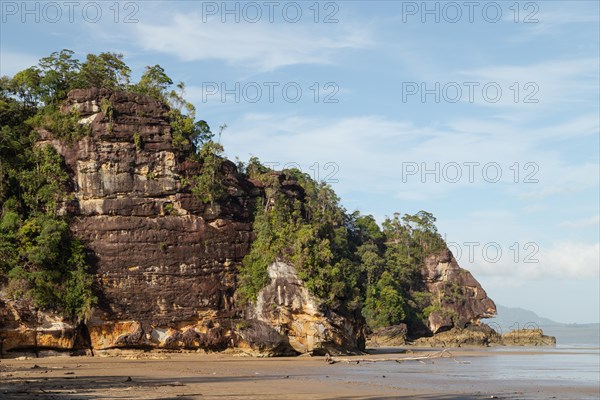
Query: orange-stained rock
x=25 y=329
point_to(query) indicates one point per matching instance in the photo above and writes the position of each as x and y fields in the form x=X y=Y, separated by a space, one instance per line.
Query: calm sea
x=571 y=370
x=515 y=373
x=574 y=335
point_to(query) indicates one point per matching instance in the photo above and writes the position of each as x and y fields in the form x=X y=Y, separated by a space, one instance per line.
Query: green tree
x=385 y=305
x=58 y=73
x=307 y=231
x=26 y=85
x=40 y=259
x=48 y=82
x=105 y=70
x=44 y=185
x=188 y=134
x=208 y=185
x=154 y=82
x=52 y=270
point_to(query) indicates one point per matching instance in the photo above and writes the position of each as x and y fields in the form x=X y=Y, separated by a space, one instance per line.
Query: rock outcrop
x=391 y=336
x=527 y=337
x=483 y=335
x=473 y=335
x=41 y=332
x=459 y=298
x=165 y=263
x=287 y=306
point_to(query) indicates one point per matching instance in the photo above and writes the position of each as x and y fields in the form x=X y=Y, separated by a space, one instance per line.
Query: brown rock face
x=165 y=263
x=390 y=336
x=461 y=298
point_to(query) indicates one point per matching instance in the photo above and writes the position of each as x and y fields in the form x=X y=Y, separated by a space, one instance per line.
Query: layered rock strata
x=165 y=264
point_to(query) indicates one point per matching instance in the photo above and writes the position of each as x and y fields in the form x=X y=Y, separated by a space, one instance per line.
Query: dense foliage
x=345 y=259
x=40 y=259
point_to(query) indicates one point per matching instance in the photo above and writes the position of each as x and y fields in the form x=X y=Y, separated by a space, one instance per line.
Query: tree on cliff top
x=105 y=70
x=50 y=81
x=46 y=85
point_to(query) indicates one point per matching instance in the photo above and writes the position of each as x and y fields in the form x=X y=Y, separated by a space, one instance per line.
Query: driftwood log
x=438 y=354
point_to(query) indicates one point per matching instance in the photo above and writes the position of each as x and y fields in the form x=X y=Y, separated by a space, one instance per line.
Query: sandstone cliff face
x=461 y=298
x=165 y=263
x=41 y=332
x=286 y=305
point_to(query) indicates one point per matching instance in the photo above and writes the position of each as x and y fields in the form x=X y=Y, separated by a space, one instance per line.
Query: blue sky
x=499 y=101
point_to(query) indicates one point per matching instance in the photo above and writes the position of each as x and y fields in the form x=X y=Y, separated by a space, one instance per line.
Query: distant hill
x=513 y=317
x=510 y=318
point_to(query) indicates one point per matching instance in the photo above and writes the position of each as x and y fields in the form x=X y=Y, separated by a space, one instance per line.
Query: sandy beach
x=132 y=375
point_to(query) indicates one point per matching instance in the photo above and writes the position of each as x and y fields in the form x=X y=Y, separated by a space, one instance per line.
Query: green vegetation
x=137 y=140
x=345 y=259
x=187 y=132
x=107 y=109
x=208 y=185
x=40 y=259
x=169 y=209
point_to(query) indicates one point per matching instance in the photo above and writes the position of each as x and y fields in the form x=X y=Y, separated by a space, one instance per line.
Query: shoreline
x=217 y=375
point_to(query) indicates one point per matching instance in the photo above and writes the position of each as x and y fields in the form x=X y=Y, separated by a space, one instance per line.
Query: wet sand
x=226 y=376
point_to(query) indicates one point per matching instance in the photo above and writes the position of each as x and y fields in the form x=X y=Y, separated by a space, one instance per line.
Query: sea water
x=570 y=370
x=522 y=373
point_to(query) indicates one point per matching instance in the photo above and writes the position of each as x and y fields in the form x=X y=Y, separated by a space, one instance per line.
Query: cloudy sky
x=484 y=113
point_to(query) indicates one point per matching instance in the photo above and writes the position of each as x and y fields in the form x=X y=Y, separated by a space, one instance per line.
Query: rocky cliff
x=286 y=304
x=459 y=298
x=165 y=264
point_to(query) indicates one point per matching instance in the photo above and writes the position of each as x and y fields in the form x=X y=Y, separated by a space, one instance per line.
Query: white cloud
x=547 y=83
x=578 y=260
x=263 y=46
x=364 y=147
x=579 y=126
x=550 y=82
x=591 y=222
x=373 y=154
x=529 y=261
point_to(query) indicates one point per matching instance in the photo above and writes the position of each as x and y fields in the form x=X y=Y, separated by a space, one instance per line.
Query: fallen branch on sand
x=438 y=354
